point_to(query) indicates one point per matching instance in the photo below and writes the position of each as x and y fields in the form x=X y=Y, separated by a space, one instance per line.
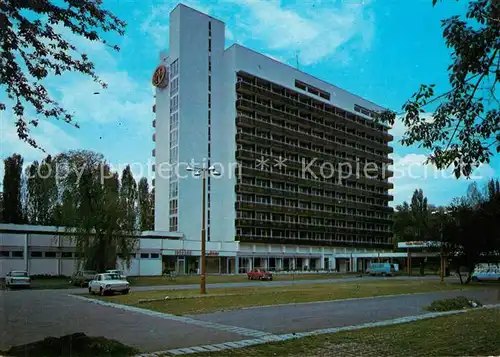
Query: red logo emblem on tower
x=160 y=77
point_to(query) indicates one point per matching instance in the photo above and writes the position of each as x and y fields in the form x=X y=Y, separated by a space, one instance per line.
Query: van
x=383 y=269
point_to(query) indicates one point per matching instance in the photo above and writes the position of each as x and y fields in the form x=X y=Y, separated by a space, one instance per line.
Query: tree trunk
x=459 y=275
x=470 y=271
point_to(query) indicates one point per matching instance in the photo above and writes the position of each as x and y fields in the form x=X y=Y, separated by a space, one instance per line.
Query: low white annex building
x=43 y=250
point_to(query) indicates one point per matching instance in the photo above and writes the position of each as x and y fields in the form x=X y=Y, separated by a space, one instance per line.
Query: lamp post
x=203 y=172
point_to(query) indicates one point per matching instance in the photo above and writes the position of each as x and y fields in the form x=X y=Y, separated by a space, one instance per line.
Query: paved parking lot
x=28 y=316
x=310 y=316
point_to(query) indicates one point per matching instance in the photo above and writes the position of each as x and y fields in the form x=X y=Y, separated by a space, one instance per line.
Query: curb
x=291 y=336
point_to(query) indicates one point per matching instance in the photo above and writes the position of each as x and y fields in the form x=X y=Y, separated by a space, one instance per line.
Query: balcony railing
x=336 y=143
x=321 y=107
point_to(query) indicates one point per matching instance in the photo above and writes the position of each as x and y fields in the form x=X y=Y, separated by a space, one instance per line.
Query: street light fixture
x=203 y=172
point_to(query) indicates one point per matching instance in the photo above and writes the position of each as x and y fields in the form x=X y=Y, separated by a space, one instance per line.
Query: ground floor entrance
x=184 y=265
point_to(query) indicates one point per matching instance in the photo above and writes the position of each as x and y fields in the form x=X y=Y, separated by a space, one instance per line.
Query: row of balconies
x=310 y=181
x=249 y=121
x=245 y=138
x=326 y=240
x=284 y=208
x=280 y=192
x=318 y=167
x=328 y=144
x=316 y=106
x=254 y=222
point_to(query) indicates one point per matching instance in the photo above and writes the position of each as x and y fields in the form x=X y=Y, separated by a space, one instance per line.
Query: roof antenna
x=297 y=59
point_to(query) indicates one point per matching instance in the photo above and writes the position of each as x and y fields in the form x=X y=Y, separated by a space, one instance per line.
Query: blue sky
x=381 y=50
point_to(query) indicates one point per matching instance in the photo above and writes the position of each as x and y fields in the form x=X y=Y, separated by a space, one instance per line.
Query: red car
x=259 y=274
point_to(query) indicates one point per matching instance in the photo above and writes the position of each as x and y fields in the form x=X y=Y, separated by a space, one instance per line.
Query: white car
x=486 y=275
x=117 y=272
x=106 y=283
x=18 y=278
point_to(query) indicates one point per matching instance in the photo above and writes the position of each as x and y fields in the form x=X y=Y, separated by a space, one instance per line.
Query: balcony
x=300 y=101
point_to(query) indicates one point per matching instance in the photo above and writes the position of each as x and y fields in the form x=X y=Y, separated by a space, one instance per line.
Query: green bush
x=458 y=303
x=75 y=345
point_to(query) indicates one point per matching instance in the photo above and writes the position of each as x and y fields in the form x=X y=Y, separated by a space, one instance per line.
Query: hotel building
x=275 y=134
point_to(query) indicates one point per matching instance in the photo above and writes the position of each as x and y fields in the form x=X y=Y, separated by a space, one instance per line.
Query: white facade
x=200 y=127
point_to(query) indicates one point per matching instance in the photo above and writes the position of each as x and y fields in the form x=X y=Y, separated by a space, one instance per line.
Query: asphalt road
x=28 y=316
x=311 y=316
x=244 y=283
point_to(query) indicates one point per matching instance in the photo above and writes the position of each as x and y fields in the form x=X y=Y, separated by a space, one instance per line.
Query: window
x=144 y=255
x=174 y=68
x=209 y=83
x=50 y=254
x=4 y=254
x=173 y=224
x=174 y=189
x=209 y=44
x=173 y=137
x=313 y=90
x=36 y=254
x=155 y=255
x=173 y=206
x=174 y=85
x=174 y=152
x=174 y=103
x=174 y=120
x=67 y=255
x=17 y=254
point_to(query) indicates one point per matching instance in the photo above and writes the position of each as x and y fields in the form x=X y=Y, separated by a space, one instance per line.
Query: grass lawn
x=183 y=302
x=63 y=282
x=469 y=334
x=213 y=279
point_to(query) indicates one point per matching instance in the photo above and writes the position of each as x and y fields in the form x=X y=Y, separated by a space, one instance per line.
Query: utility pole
x=203 y=172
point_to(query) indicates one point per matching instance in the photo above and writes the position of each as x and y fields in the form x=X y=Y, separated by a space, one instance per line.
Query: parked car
x=82 y=277
x=486 y=275
x=117 y=272
x=383 y=269
x=259 y=274
x=106 y=283
x=18 y=279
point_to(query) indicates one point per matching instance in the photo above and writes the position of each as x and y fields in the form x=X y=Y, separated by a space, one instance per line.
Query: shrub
x=77 y=345
x=458 y=303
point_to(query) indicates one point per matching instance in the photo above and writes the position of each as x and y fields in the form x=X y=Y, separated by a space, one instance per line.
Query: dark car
x=82 y=277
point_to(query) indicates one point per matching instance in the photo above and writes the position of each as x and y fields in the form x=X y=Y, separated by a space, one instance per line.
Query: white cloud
x=317 y=32
x=399 y=129
x=411 y=172
x=125 y=99
x=156 y=24
x=47 y=134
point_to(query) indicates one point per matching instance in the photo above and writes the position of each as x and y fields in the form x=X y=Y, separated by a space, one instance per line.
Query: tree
x=411 y=221
x=12 y=211
x=41 y=192
x=128 y=197
x=1 y=207
x=472 y=234
x=33 y=48
x=465 y=124
x=95 y=215
x=146 y=206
